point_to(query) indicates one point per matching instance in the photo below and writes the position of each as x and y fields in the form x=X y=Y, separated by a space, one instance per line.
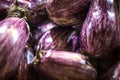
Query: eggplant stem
x=35 y=60
x=16 y=10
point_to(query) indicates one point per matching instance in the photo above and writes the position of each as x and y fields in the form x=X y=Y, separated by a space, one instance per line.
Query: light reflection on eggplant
x=6 y=3
x=97 y=36
x=24 y=67
x=63 y=65
x=53 y=39
x=11 y=47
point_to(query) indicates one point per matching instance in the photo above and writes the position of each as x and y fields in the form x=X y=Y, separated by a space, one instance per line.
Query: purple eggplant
x=37 y=31
x=24 y=3
x=59 y=39
x=41 y=14
x=14 y=34
x=38 y=7
x=6 y=3
x=42 y=28
x=31 y=4
x=25 y=61
x=68 y=12
x=62 y=65
x=26 y=69
x=100 y=34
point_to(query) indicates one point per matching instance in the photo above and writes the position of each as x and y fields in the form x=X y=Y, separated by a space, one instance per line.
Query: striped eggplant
x=60 y=39
x=38 y=7
x=37 y=32
x=14 y=33
x=42 y=28
x=67 y=12
x=31 y=4
x=6 y=3
x=62 y=65
x=24 y=67
x=100 y=33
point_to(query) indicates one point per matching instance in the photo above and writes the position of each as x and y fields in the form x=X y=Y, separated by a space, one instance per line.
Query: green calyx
x=19 y=11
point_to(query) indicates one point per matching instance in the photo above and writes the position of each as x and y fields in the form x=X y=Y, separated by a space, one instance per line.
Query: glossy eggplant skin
x=62 y=65
x=43 y=28
x=31 y=4
x=100 y=32
x=37 y=31
x=13 y=37
x=53 y=39
x=24 y=67
x=67 y=12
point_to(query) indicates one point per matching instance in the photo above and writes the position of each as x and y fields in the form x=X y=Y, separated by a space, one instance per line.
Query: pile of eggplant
x=59 y=40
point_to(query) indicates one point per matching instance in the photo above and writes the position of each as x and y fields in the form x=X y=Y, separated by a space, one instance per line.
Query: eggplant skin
x=100 y=34
x=67 y=12
x=62 y=65
x=13 y=38
x=6 y=3
x=53 y=39
x=23 y=68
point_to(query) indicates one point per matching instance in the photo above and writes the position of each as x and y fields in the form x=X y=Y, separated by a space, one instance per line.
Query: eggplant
x=24 y=3
x=100 y=34
x=53 y=39
x=40 y=14
x=6 y=3
x=14 y=33
x=36 y=6
x=37 y=32
x=24 y=67
x=63 y=65
x=31 y=4
x=42 y=28
x=67 y=12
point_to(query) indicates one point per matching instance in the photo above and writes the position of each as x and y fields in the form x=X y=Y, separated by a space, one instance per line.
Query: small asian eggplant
x=67 y=12
x=62 y=65
x=65 y=39
x=24 y=67
x=100 y=33
x=14 y=34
